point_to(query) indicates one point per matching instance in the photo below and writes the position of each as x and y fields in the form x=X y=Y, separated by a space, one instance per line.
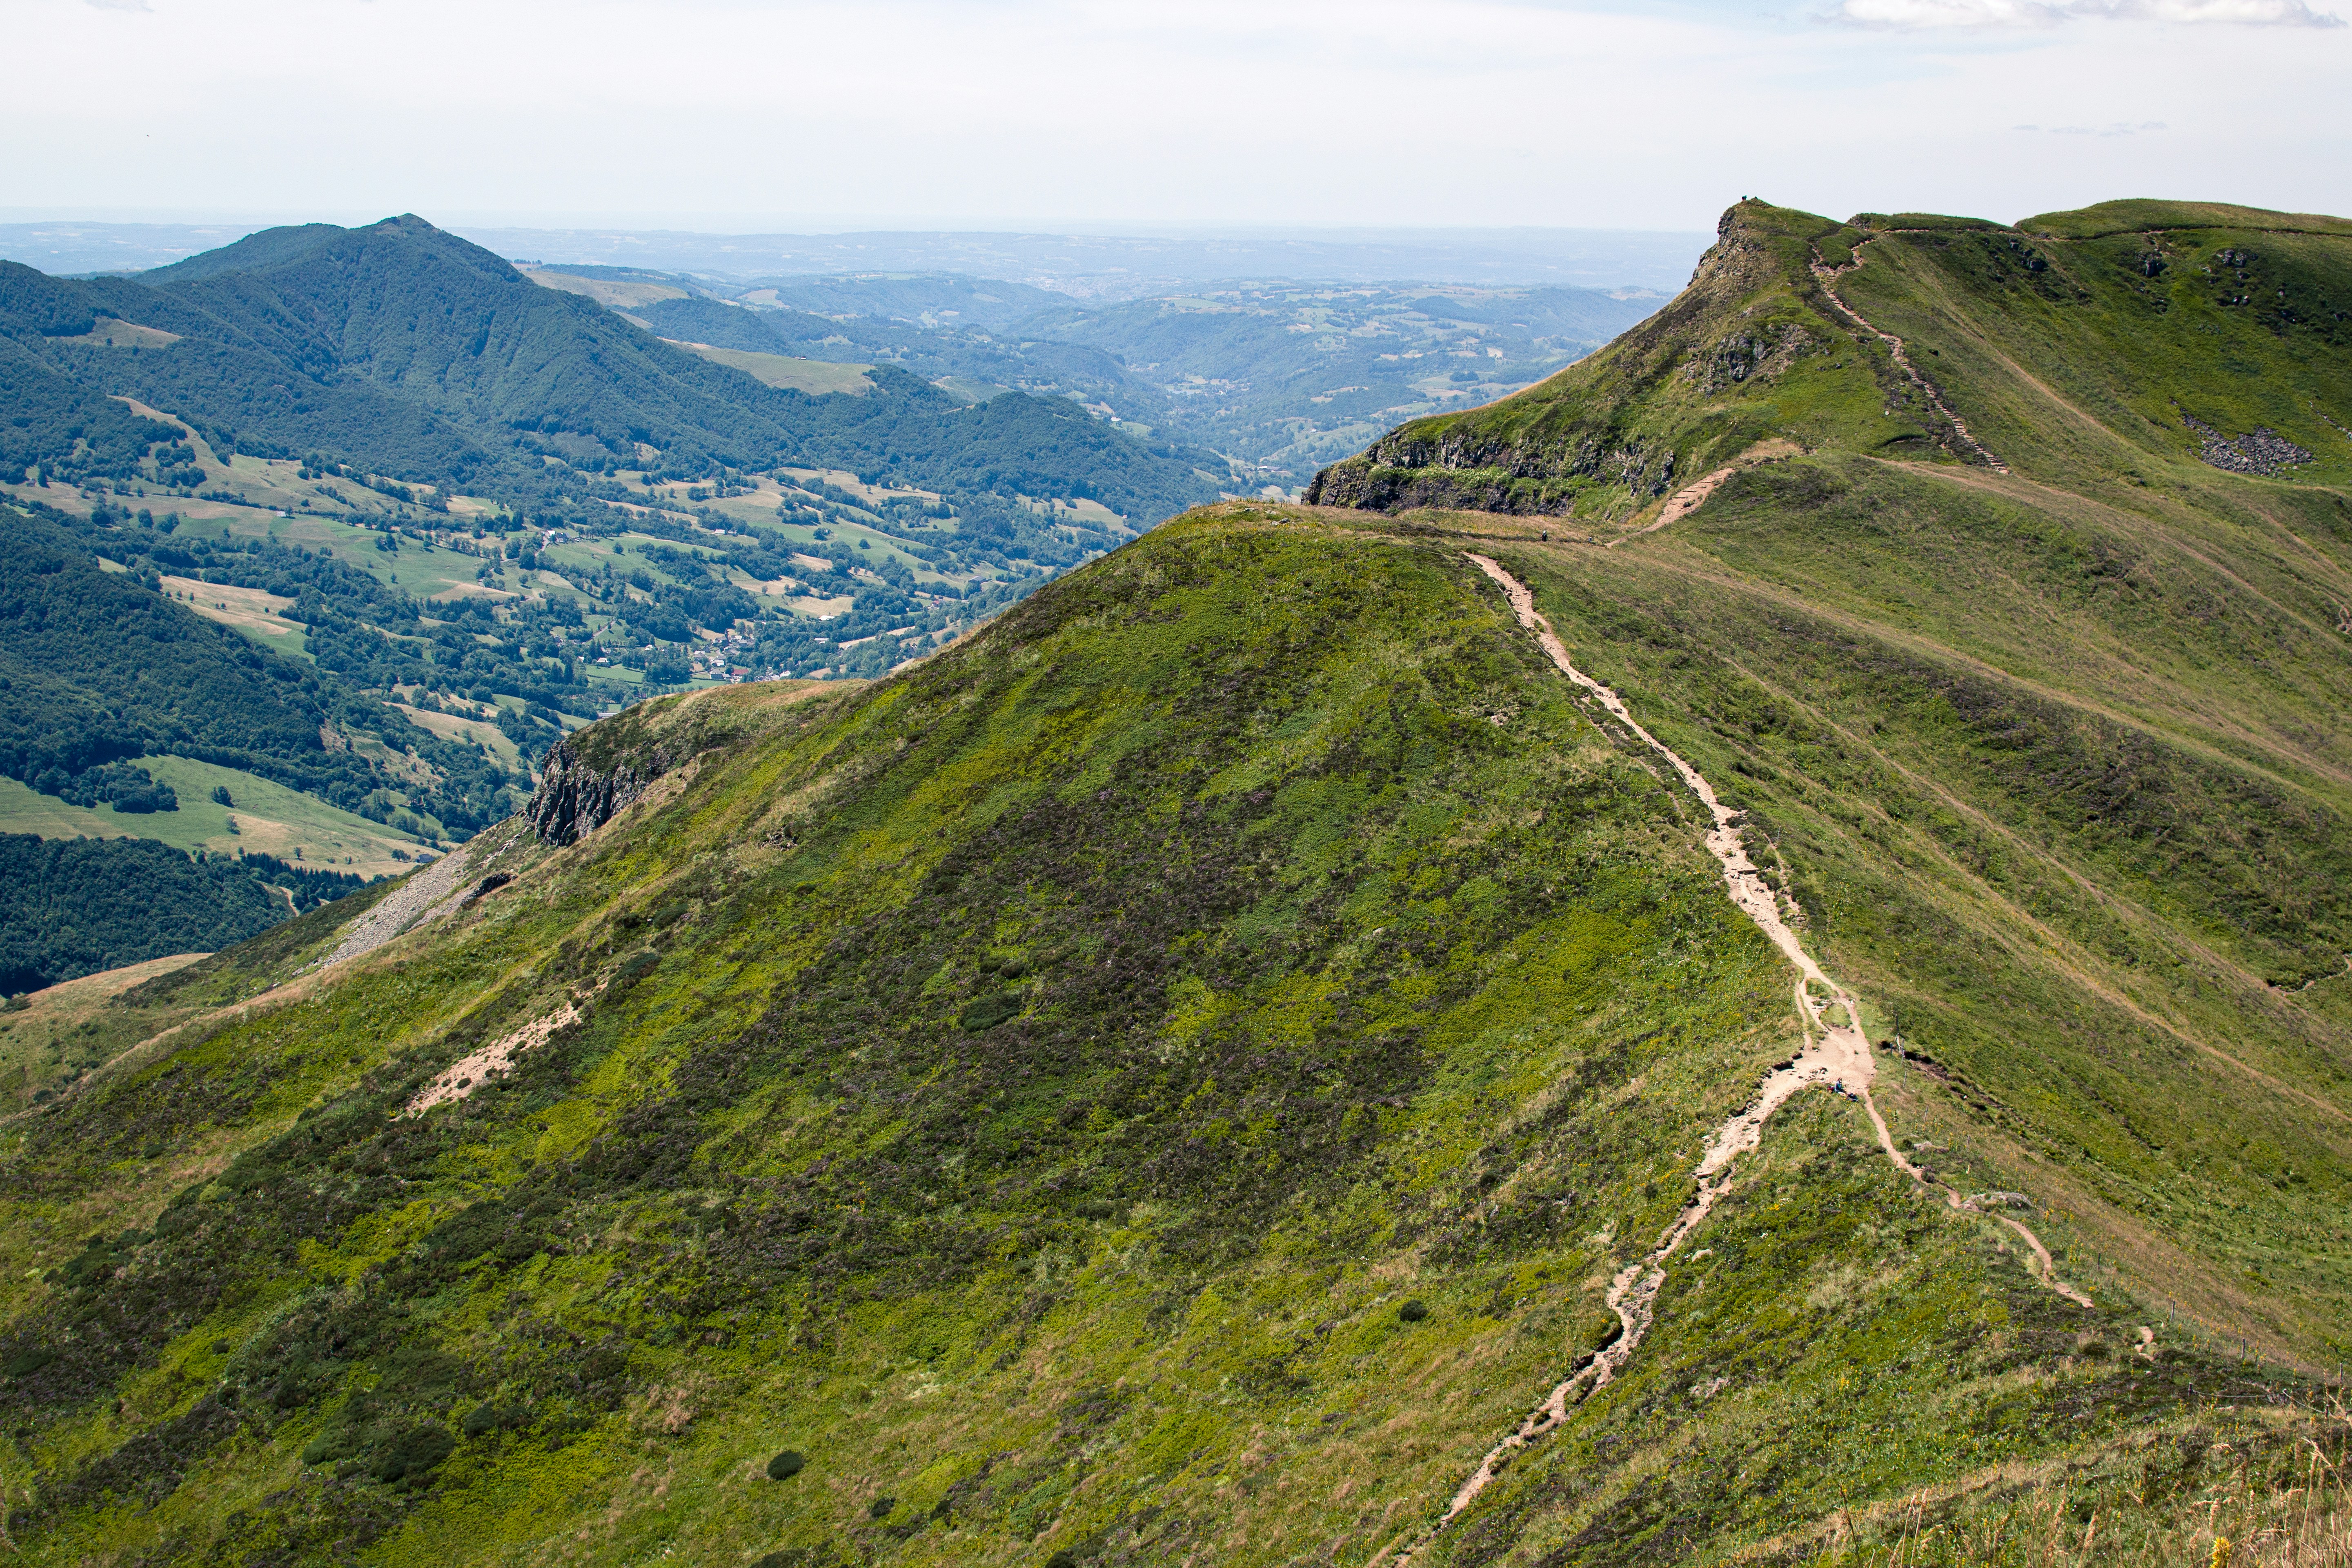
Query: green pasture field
x=814 y=377
x=472 y=732
x=248 y=610
x=610 y=292
x=972 y=390
x=270 y=819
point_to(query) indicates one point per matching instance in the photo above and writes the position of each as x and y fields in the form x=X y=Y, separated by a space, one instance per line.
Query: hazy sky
x=777 y=114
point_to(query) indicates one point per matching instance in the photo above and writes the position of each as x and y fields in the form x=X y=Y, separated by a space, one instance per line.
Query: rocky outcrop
x=574 y=800
x=1407 y=471
x=1534 y=454
x=2263 y=454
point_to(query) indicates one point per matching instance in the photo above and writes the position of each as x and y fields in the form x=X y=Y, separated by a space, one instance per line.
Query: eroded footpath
x=1836 y=1055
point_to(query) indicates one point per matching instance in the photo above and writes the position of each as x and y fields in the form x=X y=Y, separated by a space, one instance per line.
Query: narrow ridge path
x=1834 y=1052
x=1682 y=503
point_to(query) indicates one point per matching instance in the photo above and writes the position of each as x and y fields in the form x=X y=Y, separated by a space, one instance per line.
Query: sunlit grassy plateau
x=1036 y=1089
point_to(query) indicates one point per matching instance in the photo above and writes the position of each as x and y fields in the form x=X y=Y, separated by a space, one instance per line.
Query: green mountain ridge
x=412 y=353
x=2032 y=328
x=1181 y=1073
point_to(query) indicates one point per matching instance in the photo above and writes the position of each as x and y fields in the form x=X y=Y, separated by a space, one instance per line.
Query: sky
x=1098 y=115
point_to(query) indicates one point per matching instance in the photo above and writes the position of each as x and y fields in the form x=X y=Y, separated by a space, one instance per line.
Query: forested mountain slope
x=277 y=418
x=1180 y=1074
x=411 y=353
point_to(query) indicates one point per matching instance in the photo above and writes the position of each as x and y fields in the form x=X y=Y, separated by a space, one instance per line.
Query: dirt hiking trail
x=1827 y=276
x=1692 y=496
x=1836 y=1052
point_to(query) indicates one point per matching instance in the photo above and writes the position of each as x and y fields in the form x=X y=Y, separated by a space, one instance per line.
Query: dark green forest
x=70 y=907
x=97 y=667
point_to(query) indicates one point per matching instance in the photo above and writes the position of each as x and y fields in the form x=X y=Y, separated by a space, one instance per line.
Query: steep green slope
x=2025 y=654
x=1172 y=1075
x=1183 y=1073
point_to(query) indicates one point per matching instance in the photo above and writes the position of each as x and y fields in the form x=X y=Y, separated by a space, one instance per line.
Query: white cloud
x=1919 y=14
x=118 y=6
x=759 y=115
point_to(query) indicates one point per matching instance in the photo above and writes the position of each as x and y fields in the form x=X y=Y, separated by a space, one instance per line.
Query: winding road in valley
x=1836 y=1051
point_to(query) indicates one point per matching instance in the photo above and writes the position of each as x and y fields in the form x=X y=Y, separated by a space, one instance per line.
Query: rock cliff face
x=574 y=799
x=1406 y=471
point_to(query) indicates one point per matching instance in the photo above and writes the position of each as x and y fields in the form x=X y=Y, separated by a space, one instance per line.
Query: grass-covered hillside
x=1170 y=1077
x=1180 y=1074
x=2081 y=346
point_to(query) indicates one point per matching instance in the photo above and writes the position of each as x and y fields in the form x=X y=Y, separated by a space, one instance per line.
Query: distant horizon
x=806 y=226
x=1089 y=262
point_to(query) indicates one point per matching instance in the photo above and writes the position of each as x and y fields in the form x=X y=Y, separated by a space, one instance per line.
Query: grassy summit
x=2085 y=346
x=1172 y=1077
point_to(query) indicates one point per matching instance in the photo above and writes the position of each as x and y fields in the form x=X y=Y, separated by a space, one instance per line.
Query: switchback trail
x=1828 y=276
x=1835 y=1051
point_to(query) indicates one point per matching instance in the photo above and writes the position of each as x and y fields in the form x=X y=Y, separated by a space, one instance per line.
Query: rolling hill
x=410 y=353
x=1743 y=960
x=270 y=423
x=1279 y=374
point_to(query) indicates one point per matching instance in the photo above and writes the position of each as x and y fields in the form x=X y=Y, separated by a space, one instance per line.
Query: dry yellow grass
x=252 y=611
x=112 y=333
x=608 y=292
x=28 y=1040
x=814 y=376
x=471 y=731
